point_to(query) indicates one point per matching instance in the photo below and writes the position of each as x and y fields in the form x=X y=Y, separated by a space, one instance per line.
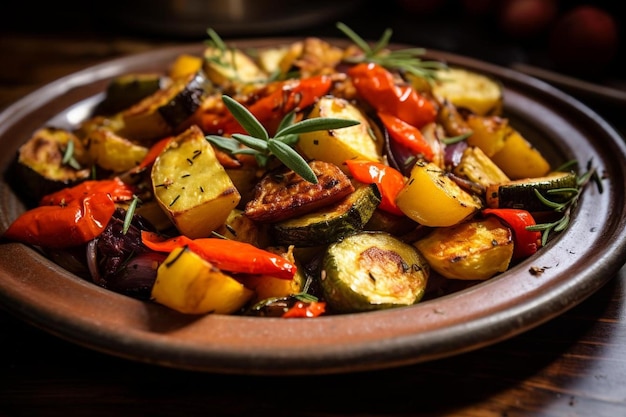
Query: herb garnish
x=407 y=59
x=262 y=146
x=568 y=205
x=130 y=213
x=68 y=156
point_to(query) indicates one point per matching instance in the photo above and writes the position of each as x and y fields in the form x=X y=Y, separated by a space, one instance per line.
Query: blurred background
x=577 y=45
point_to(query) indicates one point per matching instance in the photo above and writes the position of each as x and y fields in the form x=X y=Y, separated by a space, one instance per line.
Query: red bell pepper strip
x=229 y=255
x=526 y=242
x=292 y=95
x=306 y=309
x=376 y=85
x=153 y=153
x=389 y=181
x=115 y=188
x=72 y=223
x=407 y=135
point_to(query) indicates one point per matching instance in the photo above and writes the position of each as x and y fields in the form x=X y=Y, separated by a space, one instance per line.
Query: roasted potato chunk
x=191 y=186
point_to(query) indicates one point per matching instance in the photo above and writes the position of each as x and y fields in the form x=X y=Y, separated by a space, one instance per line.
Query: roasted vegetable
x=518 y=158
x=520 y=194
x=112 y=152
x=479 y=168
x=191 y=186
x=283 y=194
x=467 y=89
x=330 y=223
x=339 y=145
x=187 y=283
x=473 y=250
x=268 y=286
x=431 y=198
x=228 y=255
x=371 y=271
x=487 y=133
x=128 y=89
x=164 y=112
x=50 y=160
x=225 y=66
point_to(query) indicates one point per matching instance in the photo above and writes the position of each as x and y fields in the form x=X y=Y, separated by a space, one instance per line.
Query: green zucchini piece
x=51 y=159
x=520 y=194
x=128 y=89
x=330 y=223
x=372 y=271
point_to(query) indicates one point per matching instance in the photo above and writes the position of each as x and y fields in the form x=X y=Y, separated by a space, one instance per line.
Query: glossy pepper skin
x=291 y=95
x=389 y=181
x=115 y=188
x=377 y=86
x=407 y=135
x=229 y=255
x=303 y=309
x=526 y=242
x=70 y=217
x=63 y=226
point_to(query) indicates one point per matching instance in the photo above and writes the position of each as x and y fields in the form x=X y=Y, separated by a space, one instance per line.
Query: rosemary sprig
x=68 y=156
x=455 y=139
x=407 y=60
x=565 y=207
x=263 y=147
x=128 y=218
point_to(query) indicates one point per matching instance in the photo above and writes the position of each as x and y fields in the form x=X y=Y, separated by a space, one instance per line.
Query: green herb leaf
x=292 y=160
x=316 y=124
x=259 y=144
x=406 y=59
x=130 y=213
x=572 y=197
x=245 y=118
x=454 y=139
x=251 y=142
x=216 y=39
x=225 y=144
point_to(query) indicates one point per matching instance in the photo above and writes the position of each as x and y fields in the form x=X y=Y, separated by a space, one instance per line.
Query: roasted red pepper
x=377 y=86
x=72 y=223
x=153 y=154
x=526 y=241
x=71 y=216
x=229 y=255
x=407 y=135
x=389 y=181
x=302 y=309
x=295 y=94
x=115 y=188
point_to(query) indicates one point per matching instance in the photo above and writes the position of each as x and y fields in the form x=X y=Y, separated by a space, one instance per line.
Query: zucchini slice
x=42 y=164
x=330 y=223
x=372 y=271
x=520 y=194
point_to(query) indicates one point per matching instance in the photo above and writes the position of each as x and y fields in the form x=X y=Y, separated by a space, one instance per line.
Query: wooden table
x=575 y=365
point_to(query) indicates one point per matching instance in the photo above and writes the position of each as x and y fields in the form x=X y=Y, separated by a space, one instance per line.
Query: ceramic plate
x=575 y=264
